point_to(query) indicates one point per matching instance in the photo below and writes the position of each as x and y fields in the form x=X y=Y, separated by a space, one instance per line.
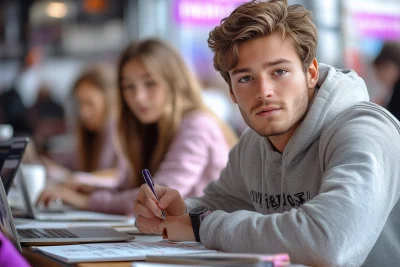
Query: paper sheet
x=127 y=251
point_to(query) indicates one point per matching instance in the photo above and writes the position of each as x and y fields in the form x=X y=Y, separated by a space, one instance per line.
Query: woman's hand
x=80 y=187
x=67 y=195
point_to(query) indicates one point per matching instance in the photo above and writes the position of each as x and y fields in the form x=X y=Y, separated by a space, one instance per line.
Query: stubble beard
x=275 y=127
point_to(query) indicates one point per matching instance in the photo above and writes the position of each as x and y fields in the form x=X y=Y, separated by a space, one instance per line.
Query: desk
x=38 y=260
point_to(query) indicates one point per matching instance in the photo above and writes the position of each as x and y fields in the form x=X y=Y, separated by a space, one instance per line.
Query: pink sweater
x=108 y=157
x=196 y=156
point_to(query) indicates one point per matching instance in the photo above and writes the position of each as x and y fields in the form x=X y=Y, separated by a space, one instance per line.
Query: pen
x=150 y=183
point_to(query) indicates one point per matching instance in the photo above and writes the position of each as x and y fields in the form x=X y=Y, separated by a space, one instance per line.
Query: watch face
x=198 y=210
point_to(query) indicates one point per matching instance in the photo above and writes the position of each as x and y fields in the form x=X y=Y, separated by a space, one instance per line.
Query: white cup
x=34 y=176
x=6 y=132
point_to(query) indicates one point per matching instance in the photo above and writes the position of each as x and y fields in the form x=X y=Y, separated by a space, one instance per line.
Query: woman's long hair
x=90 y=143
x=146 y=145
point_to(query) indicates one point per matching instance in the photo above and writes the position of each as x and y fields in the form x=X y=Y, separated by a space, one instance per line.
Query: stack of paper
x=128 y=251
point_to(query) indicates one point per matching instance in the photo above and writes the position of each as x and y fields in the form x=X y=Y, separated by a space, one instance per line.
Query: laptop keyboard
x=45 y=233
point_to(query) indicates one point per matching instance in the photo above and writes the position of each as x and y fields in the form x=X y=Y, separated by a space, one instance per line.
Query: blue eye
x=280 y=72
x=245 y=79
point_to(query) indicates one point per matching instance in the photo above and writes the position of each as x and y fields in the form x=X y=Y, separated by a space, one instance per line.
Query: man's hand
x=67 y=195
x=177 y=228
x=147 y=209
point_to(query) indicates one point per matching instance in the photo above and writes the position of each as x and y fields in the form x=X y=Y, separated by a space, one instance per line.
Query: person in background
x=46 y=118
x=162 y=125
x=14 y=112
x=94 y=92
x=12 y=109
x=387 y=68
x=317 y=175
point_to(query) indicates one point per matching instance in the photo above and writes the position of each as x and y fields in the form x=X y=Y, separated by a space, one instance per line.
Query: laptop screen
x=4 y=147
x=6 y=220
x=12 y=161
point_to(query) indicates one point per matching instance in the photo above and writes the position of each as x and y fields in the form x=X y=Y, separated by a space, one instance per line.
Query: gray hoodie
x=330 y=199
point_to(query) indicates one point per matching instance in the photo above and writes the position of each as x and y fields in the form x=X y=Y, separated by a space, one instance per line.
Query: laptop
x=4 y=147
x=9 y=171
x=10 y=157
x=76 y=235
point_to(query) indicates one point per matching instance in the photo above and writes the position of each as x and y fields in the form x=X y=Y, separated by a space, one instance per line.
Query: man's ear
x=312 y=74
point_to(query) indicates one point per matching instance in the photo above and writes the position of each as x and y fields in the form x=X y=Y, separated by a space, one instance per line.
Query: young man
x=317 y=175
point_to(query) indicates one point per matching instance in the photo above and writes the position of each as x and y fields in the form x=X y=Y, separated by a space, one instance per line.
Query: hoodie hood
x=337 y=90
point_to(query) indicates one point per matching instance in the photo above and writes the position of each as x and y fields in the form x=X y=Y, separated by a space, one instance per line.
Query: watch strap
x=196 y=220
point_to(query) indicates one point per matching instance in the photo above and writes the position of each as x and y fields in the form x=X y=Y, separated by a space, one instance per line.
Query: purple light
x=382 y=26
x=200 y=13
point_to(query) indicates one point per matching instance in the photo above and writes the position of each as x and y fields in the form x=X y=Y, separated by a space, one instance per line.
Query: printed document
x=126 y=251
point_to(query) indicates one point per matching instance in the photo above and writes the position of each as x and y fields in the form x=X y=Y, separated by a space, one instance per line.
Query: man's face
x=270 y=86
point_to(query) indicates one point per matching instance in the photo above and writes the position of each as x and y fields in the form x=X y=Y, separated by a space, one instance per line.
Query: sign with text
x=375 y=25
x=203 y=12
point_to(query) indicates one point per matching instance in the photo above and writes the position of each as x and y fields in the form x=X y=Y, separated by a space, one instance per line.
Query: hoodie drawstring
x=263 y=203
x=282 y=183
x=263 y=187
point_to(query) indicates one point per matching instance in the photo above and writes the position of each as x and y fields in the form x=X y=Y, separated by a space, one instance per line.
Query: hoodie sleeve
x=338 y=227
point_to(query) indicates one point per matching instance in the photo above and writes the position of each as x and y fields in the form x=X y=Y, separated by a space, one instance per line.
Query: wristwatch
x=197 y=215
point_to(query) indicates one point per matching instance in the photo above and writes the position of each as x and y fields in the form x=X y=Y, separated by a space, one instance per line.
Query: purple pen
x=149 y=181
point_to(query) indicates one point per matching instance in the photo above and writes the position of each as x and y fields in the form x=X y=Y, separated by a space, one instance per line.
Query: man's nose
x=265 y=88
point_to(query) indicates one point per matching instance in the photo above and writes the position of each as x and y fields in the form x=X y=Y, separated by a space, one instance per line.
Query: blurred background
x=45 y=44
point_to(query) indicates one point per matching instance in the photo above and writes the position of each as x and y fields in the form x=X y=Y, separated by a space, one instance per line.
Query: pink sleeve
x=187 y=158
x=182 y=167
x=115 y=201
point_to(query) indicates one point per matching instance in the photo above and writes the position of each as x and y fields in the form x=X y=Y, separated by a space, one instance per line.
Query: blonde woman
x=162 y=125
x=94 y=93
